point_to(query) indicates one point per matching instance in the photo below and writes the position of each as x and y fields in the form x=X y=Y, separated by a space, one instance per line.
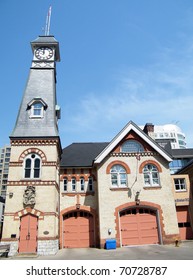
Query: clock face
x=44 y=53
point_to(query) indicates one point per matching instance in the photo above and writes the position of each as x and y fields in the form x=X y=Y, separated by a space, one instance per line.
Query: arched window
x=132 y=146
x=32 y=166
x=151 y=175
x=118 y=176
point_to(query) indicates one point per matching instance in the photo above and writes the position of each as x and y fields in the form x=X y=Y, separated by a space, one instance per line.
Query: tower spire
x=48 y=18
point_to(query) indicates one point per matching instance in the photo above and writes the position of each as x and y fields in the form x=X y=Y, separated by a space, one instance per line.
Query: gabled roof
x=116 y=140
x=81 y=154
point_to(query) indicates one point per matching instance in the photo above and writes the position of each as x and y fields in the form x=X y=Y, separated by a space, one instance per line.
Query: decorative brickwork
x=149 y=162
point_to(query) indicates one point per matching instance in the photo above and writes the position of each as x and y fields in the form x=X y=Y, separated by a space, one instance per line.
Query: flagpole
x=48 y=17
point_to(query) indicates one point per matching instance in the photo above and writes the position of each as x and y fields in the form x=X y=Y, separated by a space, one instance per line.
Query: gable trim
x=116 y=140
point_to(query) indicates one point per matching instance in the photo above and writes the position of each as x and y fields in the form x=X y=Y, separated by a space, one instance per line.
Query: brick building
x=88 y=192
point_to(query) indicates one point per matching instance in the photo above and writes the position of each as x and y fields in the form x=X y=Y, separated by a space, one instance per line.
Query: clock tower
x=32 y=204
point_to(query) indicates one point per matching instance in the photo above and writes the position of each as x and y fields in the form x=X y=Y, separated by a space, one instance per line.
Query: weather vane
x=48 y=17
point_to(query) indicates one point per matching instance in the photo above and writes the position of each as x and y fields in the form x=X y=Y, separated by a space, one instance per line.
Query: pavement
x=145 y=252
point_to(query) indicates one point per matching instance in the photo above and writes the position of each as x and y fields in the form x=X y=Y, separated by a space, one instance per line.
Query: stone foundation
x=48 y=247
x=13 y=247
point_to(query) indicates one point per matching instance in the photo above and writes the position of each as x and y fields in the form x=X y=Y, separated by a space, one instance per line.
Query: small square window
x=180 y=184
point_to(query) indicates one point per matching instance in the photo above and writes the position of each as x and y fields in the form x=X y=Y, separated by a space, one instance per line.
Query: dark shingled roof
x=182 y=153
x=81 y=154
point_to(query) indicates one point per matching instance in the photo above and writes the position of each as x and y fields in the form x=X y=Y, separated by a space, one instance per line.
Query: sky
x=121 y=60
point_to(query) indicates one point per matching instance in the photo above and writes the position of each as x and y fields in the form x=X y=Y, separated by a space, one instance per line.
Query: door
x=184 y=223
x=138 y=226
x=28 y=234
x=78 y=230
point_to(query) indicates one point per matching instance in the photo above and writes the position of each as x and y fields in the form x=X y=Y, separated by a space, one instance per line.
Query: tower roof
x=40 y=91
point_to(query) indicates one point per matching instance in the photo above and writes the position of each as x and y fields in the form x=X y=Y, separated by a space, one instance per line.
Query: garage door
x=184 y=223
x=78 y=230
x=138 y=226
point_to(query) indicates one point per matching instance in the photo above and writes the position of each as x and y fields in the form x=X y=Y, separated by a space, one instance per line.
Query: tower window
x=32 y=167
x=36 y=108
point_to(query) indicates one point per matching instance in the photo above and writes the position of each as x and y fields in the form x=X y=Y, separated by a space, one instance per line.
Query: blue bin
x=110 y=244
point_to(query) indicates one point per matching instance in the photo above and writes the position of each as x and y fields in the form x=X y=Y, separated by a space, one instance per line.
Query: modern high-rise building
x=4 y=169
x=172 y=133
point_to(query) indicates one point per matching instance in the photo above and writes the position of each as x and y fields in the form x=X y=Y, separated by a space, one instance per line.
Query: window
x=180 y=184
x=37 y=110
x=118 y=176
x=32 y=167
x=65 y=184
x=151 y=175
x=131 y=146
x=82 y=184
x=90 y=184
x=73 y=184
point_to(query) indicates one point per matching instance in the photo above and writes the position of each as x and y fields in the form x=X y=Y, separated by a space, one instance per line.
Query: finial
x=48 y=17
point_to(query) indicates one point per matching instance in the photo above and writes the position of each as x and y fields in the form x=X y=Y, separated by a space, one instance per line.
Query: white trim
x=131 y=126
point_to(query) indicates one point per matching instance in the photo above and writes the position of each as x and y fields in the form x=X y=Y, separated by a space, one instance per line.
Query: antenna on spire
x=48 y=17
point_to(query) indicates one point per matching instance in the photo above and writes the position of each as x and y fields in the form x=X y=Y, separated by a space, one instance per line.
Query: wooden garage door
x=138 y=226
x=184 y=223
x=28 y=234
x=78 y=230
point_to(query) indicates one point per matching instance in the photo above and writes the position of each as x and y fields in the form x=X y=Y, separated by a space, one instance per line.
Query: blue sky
x=121 y=60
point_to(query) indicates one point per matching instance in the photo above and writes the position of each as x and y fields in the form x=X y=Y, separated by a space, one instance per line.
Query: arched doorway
x=78 y=229
x=28 y=234
x=139 y=226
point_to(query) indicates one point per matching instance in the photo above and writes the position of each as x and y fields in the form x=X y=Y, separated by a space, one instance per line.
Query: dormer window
x=36 y=108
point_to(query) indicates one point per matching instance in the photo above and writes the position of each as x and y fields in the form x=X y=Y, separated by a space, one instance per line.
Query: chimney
x=149 y=129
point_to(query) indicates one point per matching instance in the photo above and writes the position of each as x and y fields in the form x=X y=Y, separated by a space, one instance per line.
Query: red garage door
x=184 y=223
x=138 y=226
x=78 y=230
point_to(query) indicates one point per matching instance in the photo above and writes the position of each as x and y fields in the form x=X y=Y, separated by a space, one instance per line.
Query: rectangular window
x=123 y=180
x=114 y=180
x=28 y=168
x=90 y=184
x=180 y=184
x=37 y=168
x=73 y=184
x=65 y=184
x=37 y=109
x=82 y=184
